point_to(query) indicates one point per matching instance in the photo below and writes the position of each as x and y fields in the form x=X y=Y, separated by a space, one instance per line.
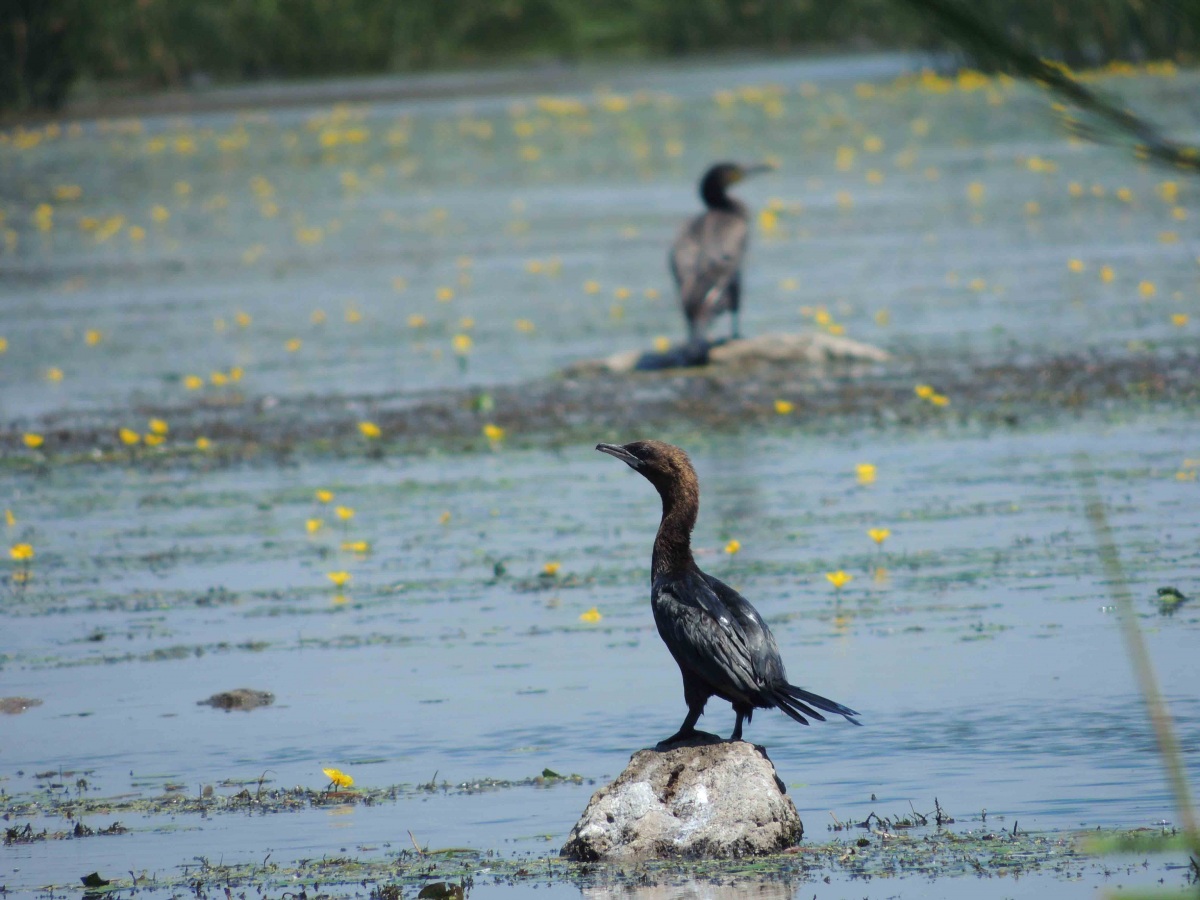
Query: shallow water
x=979 y=642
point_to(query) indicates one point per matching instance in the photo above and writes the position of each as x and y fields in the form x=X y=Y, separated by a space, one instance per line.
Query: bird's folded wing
x=704 y=637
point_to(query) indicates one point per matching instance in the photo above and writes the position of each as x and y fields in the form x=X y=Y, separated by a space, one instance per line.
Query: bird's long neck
x=673 y=544
x=712 y=192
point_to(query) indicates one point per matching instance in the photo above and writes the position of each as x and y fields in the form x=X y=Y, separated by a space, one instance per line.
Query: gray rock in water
x=705 y=798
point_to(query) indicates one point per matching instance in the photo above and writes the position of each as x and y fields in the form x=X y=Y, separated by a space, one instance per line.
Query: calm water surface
x=979 y=642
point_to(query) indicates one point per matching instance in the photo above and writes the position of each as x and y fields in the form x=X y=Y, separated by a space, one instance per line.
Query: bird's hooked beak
x=756 y=169
x=620 y=453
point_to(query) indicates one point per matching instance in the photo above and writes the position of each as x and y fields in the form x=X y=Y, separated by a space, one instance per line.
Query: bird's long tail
x=798 y=703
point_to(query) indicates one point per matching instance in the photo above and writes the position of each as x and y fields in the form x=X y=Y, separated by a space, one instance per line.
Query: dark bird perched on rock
x=706 y=258
x=722 y=645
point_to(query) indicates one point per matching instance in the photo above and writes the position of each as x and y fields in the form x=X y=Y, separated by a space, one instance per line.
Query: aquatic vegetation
x=839 y=579
x=865 y=473
x=592 y=616
x=879 y=535
x=21 y=552
x=338 y=779
x=733 y=547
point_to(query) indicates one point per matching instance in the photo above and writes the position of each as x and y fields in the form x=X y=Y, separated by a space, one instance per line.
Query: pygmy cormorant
x=706 y=258
x=722 y=645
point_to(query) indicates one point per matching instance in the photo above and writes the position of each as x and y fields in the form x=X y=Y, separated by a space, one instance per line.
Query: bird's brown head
x=722 y=176
x=664 y=465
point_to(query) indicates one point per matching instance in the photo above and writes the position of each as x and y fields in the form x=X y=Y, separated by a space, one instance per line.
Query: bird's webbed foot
x=686 y=734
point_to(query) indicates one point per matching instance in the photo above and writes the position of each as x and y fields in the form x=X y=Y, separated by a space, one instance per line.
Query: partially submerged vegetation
x=562 y=411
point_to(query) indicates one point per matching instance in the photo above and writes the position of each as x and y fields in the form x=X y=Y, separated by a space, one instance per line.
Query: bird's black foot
x=684 y=735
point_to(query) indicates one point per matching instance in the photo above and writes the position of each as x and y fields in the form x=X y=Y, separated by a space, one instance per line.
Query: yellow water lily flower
x=338 y=778
x=32 y=440
x=339 y=579
x=369 y=429
x=879 y=535
x=733 y=546
x=592 y=616
x=839 y=579
x=21 y=552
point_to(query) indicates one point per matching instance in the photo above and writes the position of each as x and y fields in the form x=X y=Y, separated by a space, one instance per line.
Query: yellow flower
x=733 y=546
x=243 y=319
x=444 y=518
x=220 y=379
x=1179 y=319
x=865 y=473
x=662 y=344
x=203 y=443
x=445 y=294
x=369 y=429
x=879 y=535
x=3 y=344
x=493 y=432
x=340 y=779
x=193 y=382
x=21 y=552
x=592 y=616
x=591 y=287
x=551 y=568
x=128 y=436
x=318 y=317
x=92 y=337
x=839 y=578
x=461 y=344
x=54 y=374
x=312 y=526
x=525 y=326
x=345 y=513
x=153 y=440
x=236 y=373
x=33 y=440
x=353 y=316
x=1107 y=274
x=338 y=578
x=356 y=546
x=1075 y=265
x=158 y=426
x=293 y=344
x=1147 y=289
x=784 y=407
x=9 y=519
x=416 y=320
x=324 y=496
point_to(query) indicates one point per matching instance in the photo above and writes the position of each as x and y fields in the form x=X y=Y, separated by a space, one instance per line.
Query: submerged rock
x=705 y=798
x=14 y=706
x=239 y=698
x=809 y=349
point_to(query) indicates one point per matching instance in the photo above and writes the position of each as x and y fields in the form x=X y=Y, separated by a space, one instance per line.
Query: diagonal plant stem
x=1139 y=655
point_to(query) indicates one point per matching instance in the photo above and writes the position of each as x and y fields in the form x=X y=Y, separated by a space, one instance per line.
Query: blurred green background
x=49 y=47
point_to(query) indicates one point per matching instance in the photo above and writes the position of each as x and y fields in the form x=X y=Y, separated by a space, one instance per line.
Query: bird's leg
x=688 y=728
x=743 y=715
x=735 y=306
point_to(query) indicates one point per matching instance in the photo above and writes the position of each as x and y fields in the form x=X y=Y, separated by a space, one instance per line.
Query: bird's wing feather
x=703 y=635
x=760 y=643
x=705 y=259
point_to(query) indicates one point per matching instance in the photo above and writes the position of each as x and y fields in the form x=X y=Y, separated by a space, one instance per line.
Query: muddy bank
x=565 y=409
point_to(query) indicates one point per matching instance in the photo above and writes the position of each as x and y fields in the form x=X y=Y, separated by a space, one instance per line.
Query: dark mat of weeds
x=559 y=410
